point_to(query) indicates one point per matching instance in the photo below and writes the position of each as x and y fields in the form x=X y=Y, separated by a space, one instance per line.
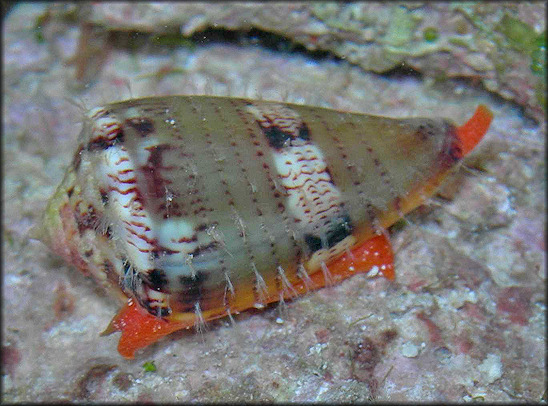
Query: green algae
x=342 y=17
x=401 y=28
x=149 y=366
x=538 y=56
x=519 y=35
x=464 y=42
x=430 y=34
x=540 y=93
x=173 y=40
x=522 y=38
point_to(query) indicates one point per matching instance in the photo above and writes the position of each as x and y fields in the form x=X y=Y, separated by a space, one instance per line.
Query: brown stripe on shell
x=280 y=201
x=258 y=286
x=224 y=187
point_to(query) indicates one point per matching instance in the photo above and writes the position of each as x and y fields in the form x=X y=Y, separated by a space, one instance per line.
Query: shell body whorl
x=209 y=205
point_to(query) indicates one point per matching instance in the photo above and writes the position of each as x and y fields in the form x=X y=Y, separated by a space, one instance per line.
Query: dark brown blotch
x=304 y=132
x=425 y=131
x=202 y=249
x=191 y=288
x=143 y=125
x=276 y=137
x=104 y=197
x=157 y=279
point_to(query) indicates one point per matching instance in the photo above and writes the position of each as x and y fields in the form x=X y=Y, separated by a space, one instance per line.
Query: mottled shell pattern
x=198 y=207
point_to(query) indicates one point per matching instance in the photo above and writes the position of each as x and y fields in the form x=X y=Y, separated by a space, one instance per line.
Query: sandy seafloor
x=464 y=320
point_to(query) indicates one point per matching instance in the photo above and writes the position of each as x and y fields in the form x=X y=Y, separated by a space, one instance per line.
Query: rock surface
x=500 y=45
x=465 y=319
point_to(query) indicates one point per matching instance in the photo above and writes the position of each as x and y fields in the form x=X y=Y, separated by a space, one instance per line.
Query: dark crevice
x=164 y=41
x=159 y=42
x=262 y=39
x=400 y=71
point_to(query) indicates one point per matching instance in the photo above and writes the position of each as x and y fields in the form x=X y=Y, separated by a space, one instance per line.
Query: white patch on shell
x=118 y=172
x=312 y=197
x=172 y=233
x=311 y=194
x=277 y=115
x=176 y=235
x=104 y=125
